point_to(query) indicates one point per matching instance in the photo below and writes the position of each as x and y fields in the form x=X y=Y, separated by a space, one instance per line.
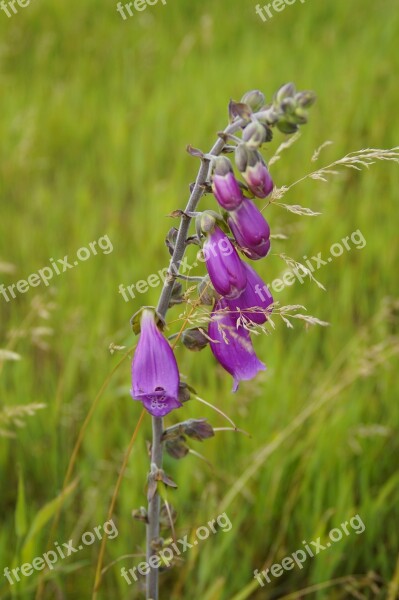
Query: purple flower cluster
x=239 y=298
x=245 y=299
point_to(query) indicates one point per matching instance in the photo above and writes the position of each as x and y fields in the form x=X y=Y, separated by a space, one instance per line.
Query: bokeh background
x=96 y=113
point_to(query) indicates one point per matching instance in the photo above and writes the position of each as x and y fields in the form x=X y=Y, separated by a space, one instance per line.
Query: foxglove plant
x=239 y=298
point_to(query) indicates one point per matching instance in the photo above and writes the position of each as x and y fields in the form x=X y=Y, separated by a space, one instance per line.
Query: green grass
x=95 y=116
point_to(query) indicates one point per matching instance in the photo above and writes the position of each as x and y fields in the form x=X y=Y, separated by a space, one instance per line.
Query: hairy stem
x=162 y=308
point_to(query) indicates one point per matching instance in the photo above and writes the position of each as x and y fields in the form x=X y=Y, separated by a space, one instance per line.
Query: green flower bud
x=177 y=296
x=254 y=170
x=241 y=157
x=177 y=448
x=268 y=116
x=286 y=91
x=206 y=221
x=140 y=514
x=198 y=429
x=206 y=292
x=305 y=99
x=288 y=106
x=286 y=127
x=170 y=240
x=194 y=339
x=255 y=99
x=254 y=135
x=300 y=116
x=184 y=393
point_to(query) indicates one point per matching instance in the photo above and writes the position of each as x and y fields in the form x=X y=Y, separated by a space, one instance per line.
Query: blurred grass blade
x=20 y=511
x=42 y=517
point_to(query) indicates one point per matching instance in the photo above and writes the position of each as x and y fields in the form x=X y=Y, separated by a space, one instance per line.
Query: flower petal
x=155 y=374
x=250 y=229
x=232 y=346
x=225 y=267
x=255 y=300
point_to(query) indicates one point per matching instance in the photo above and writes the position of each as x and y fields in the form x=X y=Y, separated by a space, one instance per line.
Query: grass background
x=95 y=116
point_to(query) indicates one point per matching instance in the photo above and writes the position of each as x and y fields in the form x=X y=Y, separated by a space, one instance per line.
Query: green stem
x=162 y=308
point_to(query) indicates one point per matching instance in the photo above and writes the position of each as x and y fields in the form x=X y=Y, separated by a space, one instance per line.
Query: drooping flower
x=254 y=170
x=254 y=301
x=225 y=185
x=250 y=229
x=226 y=269
x=155 y=375
x=232 y=346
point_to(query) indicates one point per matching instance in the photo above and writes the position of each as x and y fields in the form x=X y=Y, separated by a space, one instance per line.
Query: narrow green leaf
x=42 y=517
x=20 y=510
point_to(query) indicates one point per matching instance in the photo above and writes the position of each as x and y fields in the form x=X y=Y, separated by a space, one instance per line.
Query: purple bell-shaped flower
x=224 y=185
x=255 y=300
x=254 y=170
x=232 y=346
x=250 y=229
x=155 y=375
x=226 y=269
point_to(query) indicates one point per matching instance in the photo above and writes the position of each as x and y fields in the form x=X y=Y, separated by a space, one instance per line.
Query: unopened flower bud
x=292 y=107
x=177 y=448
x=206 y=222
x=198 y=429
x=254 y=170
x=177 y=296
x=305 y=99
x=286 y=126
x=300 y=116
x=206 y=292
x=254 y=135
x=194 y=339
x=225 y=185
x=268 y=116
x=170 y=240
x=255 y=99
x=241 y=157
x=288 y=106
x=286 y=91
x=184 y=393
x=140 y=514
